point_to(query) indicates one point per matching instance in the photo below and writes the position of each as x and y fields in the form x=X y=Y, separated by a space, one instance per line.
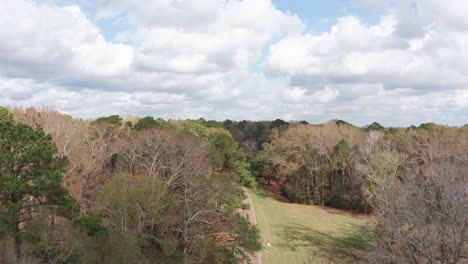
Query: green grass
x=307 y=234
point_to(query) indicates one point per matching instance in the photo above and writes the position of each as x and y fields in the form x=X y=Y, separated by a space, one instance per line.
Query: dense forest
x=120 y=191
x=148 y=190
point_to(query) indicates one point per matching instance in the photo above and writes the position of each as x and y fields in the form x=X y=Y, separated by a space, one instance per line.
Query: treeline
x=414 y=182
x=115 y=190
x=149 y=190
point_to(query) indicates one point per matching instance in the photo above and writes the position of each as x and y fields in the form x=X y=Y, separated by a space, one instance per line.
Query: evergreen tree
x=5 y=115
x=228 y=156
x=375 y=126
x=30 y=179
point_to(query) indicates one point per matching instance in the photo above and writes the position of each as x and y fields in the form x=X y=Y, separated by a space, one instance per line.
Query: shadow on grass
x=347 y=245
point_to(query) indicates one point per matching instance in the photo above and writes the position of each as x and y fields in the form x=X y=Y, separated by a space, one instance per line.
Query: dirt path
x=250 y=214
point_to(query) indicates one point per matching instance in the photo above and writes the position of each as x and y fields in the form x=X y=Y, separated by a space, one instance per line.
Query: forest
x=149 y=190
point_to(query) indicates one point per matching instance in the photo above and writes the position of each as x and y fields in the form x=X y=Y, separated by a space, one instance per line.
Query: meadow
x=294 y=233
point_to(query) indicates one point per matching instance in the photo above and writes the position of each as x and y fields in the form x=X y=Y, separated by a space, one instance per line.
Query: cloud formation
x=236 y=59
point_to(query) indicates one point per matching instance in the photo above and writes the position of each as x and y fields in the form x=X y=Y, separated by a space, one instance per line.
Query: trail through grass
x=293 y=233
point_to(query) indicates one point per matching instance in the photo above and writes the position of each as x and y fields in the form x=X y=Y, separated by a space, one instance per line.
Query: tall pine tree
x=30 y=179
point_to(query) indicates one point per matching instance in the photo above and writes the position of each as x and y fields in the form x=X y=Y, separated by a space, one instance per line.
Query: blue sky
x=321 y=15
x=397 y=62
x=318 y=14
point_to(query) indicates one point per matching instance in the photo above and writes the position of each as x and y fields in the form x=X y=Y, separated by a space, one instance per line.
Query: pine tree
x=30 y=179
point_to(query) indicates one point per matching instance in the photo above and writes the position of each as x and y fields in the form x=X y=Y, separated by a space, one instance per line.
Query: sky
x=397 y=62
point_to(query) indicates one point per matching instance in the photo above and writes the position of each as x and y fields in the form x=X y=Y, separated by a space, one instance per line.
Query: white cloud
x=232 y=37
x=236 y=59
x=353 y=52
x=45 y=41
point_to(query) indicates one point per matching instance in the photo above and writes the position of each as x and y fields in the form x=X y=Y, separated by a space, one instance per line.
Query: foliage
x=427 y=125
x=30 y=178
x=250 y=239
x=229 y=157
x=171 y=195
x=92 y=223
x=150 y=122
x=133 y=203
x=71 y=243
x=258 y=166
x=315 y=162
x=279 y=123
x=284 y=190
x=113 y=119
x=342 y=150
x=169 y=204
x=139 y=207
x=210 y=123
x=5 y=115
x=342 y=122
x=250 y=135
x=338 y=202
x=194 y=128
x=375 y=126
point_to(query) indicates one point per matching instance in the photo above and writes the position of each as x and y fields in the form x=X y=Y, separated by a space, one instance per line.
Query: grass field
x=293 y=233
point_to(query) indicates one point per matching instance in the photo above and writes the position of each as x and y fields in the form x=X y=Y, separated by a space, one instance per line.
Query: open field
x=293 y=233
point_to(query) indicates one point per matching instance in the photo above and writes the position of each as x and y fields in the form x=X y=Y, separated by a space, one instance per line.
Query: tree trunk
x=17 y=248
x=323 y=190
x=17 y=237
x=344 y=167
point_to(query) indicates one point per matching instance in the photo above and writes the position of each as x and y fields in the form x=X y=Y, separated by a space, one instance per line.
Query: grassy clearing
x=293 y=233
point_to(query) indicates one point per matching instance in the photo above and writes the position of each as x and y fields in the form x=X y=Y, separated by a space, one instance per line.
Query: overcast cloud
x=238 y=60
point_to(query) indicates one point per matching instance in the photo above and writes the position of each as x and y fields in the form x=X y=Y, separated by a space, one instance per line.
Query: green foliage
x=233 y=196
x=278 y=123
x=258 y=166
x=113 y=119
x=119 y=248
x=193 y=127
x=210 y=123
x=227 y=122
x=342 y=150
x=129 y=124
x=229 y=157
x=284 y=190
x=165 y=244
x=338 y=201
x=71 y=243
x=303 y=122
x=30 y=169
x=342 y=122
x=135 y=206
x=249 y=238
x=427 y=126
x=5 y=115
x=395 y=136
x=250 y=135
x=149 y=122
x=42 y=246
x=124 y=196
x=92 y=223
x=375 y=126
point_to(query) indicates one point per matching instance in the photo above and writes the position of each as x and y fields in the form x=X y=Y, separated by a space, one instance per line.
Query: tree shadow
x=347 y=245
